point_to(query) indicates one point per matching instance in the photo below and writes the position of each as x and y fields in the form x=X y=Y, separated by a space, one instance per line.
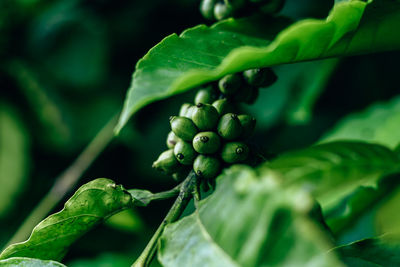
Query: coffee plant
x=265 y=162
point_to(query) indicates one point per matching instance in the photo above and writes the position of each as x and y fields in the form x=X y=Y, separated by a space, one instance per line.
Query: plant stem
x=66 y=181
x=185 y=194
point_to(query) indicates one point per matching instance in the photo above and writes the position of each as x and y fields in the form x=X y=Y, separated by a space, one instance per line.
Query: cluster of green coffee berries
x=210 y=134
x=222 y=9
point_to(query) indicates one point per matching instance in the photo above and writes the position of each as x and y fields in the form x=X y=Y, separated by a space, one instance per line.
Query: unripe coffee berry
x=223 y=106
x=230 y=84
x=222 y=11
x=234 y=152
x=207 y=9
x=205 y=95
x=184 y=153
x=229 y=126
x=206 y=142
x=207 y=167
x=248 y=124
x=205 y=116
x=186 y=111
x=172 y=139
x=166 y=162
x=260 y=77
x=183 y=127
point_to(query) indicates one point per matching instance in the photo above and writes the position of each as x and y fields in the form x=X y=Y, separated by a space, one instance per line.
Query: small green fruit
x=248 y=124
x=229 y=126
x=230 y=84
x=205 y=116
x=222 y=11
x=183 y=127
x=206 y=142
x=184 y=153
x=206 y=166
x=234 y=152
x=260 y=77
x=166 y=162
x=186 y=110
x=205 y=95
x=172 y=139
x=223 y=106
x=207 y=9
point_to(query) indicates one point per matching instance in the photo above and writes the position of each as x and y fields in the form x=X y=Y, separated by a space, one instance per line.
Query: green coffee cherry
x=207 y=9
x=229 y=126
x=205 y=95
x=186 y=110
x=206 y=142
x=172 y=139
x=248 y=124
x=234 y=152
x=166 y=162
x=222 y=11
x=205 y=116
x=230 y=84
x=206 y=166
x=260 y=77
x=183 y=127
x=184 y=152
x=223 y=106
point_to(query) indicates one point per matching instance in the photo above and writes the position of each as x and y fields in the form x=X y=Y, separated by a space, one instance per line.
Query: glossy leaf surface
x=90 y=205
x=202 y=53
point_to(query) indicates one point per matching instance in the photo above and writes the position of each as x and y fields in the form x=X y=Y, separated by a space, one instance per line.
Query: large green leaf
x=14 y=157
x=90 y=205
x=333 y=170
x=372 y=252
x=28 y=262
x=376 y=124
x=202 y=53
x=248 y=221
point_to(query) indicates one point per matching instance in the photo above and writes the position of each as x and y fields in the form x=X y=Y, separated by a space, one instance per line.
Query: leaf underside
x=248 y=221
x=202 y=54
x=28 y=262
x=90 y=205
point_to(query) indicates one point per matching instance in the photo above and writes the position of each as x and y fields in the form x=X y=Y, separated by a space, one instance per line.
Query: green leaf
x=307 y=88
x=202 y=54
x=28 y=262
x=376 y=124
x=372 y=252
x=248 y=221
x=333 y=170
x=144 y=197
x=362 y=200
x=89 y=206
x=387 y=217
x=103 y=260
x=14 y=157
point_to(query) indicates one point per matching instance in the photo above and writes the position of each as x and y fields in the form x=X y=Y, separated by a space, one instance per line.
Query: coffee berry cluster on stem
x=211 y=134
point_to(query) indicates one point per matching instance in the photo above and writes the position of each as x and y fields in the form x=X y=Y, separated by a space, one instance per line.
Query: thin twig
x=66 y=181
x=174 y=213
